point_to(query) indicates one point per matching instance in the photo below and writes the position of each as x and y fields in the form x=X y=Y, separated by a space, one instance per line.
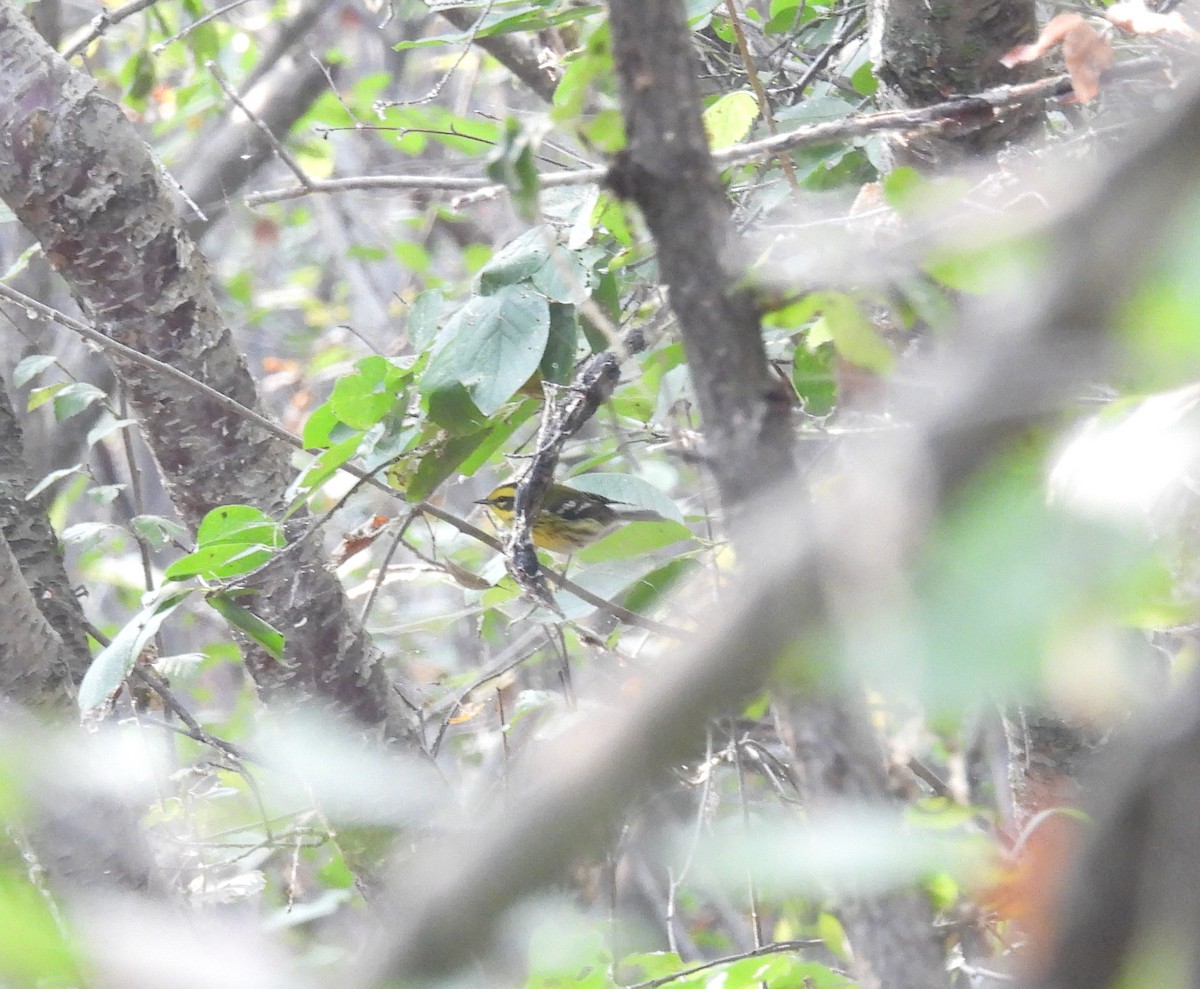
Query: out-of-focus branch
x=139 y=277
x=239 y=147
x=668 y=171
x=513 y=51
x=746 y=413
x=1017 y=360
x=958 y=115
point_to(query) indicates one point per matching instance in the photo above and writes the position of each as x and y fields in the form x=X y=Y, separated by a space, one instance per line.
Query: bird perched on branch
x=569 y=519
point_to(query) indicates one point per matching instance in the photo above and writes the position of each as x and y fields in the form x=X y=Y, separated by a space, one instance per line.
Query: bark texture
x=43 y=647
x=78 y=177
x=34 y=668
x=892 y=933
x=926 y=51
x=668 y=172
x=84 y=840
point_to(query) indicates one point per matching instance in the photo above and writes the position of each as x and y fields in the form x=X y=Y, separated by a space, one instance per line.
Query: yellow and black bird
x=569 y=519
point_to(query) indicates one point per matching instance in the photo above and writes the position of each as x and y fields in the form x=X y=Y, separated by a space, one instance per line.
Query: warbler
x=569 y=519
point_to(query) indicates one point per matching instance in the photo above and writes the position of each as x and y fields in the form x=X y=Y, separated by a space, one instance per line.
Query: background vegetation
x=885 y=310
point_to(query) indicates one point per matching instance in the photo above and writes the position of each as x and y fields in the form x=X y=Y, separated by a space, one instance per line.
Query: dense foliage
x=426 y=259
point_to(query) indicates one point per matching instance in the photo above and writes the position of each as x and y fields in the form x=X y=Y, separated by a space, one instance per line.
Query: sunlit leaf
x=730 y=118
x=246 y=621
x=112 y=665
x=488 y=349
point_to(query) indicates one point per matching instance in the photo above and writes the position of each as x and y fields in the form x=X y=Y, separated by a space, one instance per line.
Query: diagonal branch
x=80 y=179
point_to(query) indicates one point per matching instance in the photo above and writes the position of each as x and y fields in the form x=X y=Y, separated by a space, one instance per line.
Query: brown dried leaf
x=1134 y=18
x=1052 y=34
x=1085 y=51
x=1087 y=55
x=359 y=538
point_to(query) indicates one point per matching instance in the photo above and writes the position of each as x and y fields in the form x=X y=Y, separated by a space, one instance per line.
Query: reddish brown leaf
x=1085 y=51
x=1087 y=55
x=360 y=538
x=1029 y=885
x=1134 y=18
x=1052 y=34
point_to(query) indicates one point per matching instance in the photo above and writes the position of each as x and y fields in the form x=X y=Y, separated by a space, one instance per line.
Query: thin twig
x=211 y=15
x=128 y=353
x=775 y=948
x=436 y=90
x=960 y=113
x=155 y=682
x=276 y=145
x=102 y=22
x=760 y=94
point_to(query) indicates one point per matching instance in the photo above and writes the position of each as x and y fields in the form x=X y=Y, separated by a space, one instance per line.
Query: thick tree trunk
x=43 y=647
x=928 y=50
x=79 y=178
x=668 y=172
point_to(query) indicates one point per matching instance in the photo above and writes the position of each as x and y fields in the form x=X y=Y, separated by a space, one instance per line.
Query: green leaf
x=903 y=186
x=581 y=72
x=30 y=367
x=730 y=118
x=782 y=16
x=652 y=965
x=51 y=478
x=232 y=540
x=558 y=362
x=219 y=562
x=830 y=930
x=144 y=77
x=106 y=425
x=512 y=164
x=22 y=261
x=85 y=535
x=605 y=131
x=517 y=260
x=566 y=277
x=74 y=398
x=260 y=631
x=635 y=539
x=490 y=347
x=35 y=950
x=319 y=428
x=325 y=465
x=560 y=275
x=525 y=17
x=363 y=398
x=649 y=590
x=238 y=524
x=813 y=378
x=452 y=408
x=852 y=333
x=112 y=665
x=863 y=79
x=104 y=494
x=499 y=432
x=159 y=532
x=815 y=110
x=424 y=316
x=40 y=396
x=435 y=467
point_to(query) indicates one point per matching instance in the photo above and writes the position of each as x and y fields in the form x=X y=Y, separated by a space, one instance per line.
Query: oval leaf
x=491 y=347
x=112 y=665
